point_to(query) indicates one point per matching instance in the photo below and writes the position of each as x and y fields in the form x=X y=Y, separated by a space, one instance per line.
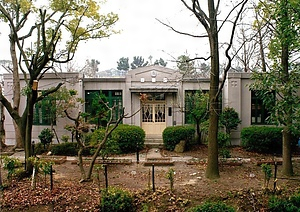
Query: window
x=192 y=104
x=45 y=111
x=113 y=97
x=155 y=96
x=259 y=113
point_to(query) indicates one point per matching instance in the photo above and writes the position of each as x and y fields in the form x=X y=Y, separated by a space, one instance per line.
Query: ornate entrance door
x=154 y=118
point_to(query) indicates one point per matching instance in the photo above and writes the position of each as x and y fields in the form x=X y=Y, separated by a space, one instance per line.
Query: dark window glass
x=44 y=112
x=114 y=98
x=259 y=113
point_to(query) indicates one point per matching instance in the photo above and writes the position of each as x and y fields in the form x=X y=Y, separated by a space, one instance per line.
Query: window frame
x=41 y=114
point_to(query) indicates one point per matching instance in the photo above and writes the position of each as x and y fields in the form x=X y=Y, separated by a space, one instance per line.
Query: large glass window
x=259 y=113
x=113 y=97
x=45 y=111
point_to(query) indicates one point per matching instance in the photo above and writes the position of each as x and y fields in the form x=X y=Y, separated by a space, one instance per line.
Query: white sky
x=142 y=35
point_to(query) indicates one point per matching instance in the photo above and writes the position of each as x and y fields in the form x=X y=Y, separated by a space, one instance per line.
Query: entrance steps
x=154 y=142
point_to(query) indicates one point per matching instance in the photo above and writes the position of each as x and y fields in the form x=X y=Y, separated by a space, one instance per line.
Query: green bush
x=223 y=139
x=110 y=147
x=212 y=207
x=129 y=138
x=173 y=135
x=262 y=139
x=68 y=148
x=39 y=148
x=291 y=204
x=117 y=200
x=46 y=136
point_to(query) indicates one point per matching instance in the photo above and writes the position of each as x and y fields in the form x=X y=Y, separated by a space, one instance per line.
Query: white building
x=165 y=88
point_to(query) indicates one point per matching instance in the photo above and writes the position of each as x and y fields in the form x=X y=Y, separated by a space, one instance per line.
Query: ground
x=239 y=185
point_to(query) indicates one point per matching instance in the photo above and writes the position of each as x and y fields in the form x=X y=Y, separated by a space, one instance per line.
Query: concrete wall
x=70 y=80
x=151 y=79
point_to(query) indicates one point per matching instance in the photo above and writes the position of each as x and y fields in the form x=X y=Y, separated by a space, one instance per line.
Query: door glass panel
x=147 y=113
x=159 y=113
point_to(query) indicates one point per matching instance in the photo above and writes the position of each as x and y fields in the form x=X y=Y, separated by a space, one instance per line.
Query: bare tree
x=209 y=20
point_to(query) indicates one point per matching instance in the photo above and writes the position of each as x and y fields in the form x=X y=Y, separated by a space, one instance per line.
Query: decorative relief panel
x=234 y=83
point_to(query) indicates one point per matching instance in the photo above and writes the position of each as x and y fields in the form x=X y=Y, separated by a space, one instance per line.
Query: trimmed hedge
x=110 y=147
x=124 y=139
x=129 y=137
x=68 y=149
x=173 y=135
x=262 y=139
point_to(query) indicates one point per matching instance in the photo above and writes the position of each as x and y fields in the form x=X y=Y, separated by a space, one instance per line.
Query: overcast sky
x=142 y=35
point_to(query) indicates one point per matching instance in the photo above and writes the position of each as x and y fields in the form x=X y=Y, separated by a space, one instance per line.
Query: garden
x=252 y=181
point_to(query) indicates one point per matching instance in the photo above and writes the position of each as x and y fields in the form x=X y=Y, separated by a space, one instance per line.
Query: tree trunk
x=95 y=155
x=212 y=169
x=80 y=162
x=2 y=130
x=100 y=146
x=19 y=139
x=287 y=167
x=28 y=130
x=16 y=87
x=198 y=131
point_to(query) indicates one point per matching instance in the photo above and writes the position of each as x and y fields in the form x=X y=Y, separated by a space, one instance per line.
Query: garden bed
x=222 y=161
x=158 y=162
x=106 y=161
x=54 y=159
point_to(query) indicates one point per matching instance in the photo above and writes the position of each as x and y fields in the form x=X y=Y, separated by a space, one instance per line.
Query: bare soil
x=241 y=186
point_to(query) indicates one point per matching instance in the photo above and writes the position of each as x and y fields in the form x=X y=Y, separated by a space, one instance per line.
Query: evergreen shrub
x=262 y=139
x=173 y=135
x=46 y=136
x=110 y=147
x=40 y=149
x=117 y=200
x=212 y=207
x=68 y=149
x=129 y=137
x=291 y=204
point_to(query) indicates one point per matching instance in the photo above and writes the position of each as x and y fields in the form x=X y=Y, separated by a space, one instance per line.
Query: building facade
x=165 y=106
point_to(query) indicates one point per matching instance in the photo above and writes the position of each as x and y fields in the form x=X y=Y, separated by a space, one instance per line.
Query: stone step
x=154 y=142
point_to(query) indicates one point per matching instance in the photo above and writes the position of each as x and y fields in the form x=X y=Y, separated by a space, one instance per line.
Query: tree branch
x=49 y=91
x=229 y=47
x=179 y=32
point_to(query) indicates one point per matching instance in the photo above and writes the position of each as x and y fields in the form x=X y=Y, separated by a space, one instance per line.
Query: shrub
x=291 y=204
x=212 y=207
x=229 y=118
x=65 y=138
x=262 y=139
x=46 y=136
x=129 y=138
x=39 y=148
x=110 y=147
x=11 y=165
x=173 y=135
x=118 y=200
x=68 y=148
x=223 y=139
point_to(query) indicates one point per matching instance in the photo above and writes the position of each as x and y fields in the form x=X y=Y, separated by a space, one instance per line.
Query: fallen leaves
x=66 y=196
